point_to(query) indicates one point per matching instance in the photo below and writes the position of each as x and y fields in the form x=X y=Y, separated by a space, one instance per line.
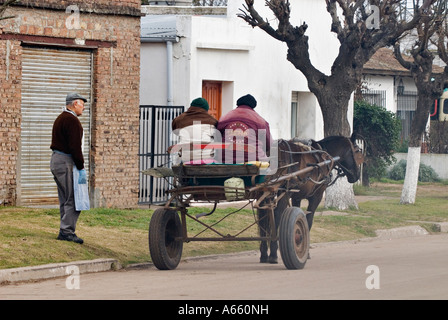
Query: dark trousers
x=61 y=166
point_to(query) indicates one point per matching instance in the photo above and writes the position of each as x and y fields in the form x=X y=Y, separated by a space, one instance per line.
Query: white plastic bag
x=81 y=191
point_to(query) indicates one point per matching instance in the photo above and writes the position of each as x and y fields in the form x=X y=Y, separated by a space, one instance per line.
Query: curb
x=55 y=270
x=402 y=232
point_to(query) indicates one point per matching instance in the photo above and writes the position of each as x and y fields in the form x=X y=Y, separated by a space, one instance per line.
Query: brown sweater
x=191 y=115
x=67 y=137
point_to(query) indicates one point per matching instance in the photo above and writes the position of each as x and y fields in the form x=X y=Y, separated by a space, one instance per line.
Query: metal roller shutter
x=47 y=76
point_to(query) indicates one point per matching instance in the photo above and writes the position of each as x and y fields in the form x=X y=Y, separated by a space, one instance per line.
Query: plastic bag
x=81 y=191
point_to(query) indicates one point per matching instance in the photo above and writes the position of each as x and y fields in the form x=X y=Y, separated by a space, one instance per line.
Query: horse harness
x=308 y=144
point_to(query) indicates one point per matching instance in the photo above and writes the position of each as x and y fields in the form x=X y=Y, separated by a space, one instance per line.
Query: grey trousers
x=62 y=169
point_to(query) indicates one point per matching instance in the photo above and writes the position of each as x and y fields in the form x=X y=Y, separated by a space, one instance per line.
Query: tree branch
x=251 y=16
x=399 y=57
x=441 y=49
x=281 y=10
x=294 y=37
x=336 y=25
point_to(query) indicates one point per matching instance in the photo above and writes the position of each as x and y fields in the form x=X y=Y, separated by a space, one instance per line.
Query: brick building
x=53 y=47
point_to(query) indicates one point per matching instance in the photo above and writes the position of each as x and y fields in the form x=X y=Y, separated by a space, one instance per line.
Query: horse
x=294 y=155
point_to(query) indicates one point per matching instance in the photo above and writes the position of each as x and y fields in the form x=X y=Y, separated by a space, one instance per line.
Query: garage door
x=47 y=76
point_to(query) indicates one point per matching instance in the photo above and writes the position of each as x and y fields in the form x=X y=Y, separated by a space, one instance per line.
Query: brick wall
x=112 y=29
x=10 y=117
x=115 y=132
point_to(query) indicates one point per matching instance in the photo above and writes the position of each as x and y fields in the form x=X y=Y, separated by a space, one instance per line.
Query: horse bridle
x=340 y=167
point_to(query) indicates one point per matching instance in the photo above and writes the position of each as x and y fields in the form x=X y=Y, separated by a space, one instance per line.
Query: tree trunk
x=365 y=179
x=429 y=87
x=334 y=109
x=418 y=126
x=334 y=101
x=340 y=195
x=409 y=190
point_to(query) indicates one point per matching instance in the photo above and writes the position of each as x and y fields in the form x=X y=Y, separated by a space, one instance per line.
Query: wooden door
x=212 y=92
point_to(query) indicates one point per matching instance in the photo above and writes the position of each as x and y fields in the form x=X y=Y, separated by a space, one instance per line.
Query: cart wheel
x=164 y=228
x=294 y=238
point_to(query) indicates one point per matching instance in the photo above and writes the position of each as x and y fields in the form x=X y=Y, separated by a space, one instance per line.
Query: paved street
x=405 y=268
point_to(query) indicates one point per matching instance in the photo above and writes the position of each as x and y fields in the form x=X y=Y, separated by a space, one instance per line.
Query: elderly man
x=66 y=143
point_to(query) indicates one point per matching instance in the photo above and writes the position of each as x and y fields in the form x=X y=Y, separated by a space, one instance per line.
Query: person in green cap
x=195 y=125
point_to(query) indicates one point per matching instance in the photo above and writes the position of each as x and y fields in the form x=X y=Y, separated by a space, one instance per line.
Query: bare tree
x=359 y=37
x=430 y=30
x=362 y=27
x=5 y=6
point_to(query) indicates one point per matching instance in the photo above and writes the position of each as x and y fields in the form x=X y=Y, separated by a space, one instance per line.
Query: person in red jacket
x=245 y=125
x=66 y=143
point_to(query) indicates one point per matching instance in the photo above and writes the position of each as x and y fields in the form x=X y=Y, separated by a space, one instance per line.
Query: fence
x=155 y=138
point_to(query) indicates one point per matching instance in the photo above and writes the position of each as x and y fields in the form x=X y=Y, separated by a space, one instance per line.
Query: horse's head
x=351 y=156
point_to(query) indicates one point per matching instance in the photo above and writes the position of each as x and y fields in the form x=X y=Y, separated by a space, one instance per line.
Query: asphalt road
x=405 y=268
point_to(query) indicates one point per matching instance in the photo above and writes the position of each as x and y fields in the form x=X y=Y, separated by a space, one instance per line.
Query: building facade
x=220 y=57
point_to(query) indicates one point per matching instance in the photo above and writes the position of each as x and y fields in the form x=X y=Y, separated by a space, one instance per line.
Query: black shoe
x=70 y=237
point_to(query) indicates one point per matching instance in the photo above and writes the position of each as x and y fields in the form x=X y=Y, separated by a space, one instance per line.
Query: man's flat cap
x=74 y=96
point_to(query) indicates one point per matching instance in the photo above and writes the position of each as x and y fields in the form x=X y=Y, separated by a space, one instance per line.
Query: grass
x=380 y=208
x=28 y=235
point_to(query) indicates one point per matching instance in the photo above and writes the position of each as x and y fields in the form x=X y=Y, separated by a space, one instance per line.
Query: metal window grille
x=406 y=106
x=155 y=138
x=375 y=97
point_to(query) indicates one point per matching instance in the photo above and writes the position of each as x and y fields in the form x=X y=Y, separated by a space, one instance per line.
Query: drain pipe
x=169 y=53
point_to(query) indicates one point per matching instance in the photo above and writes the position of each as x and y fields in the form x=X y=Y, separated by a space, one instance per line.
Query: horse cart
x=246 y=183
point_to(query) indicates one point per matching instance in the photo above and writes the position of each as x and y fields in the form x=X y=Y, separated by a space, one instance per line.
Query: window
x=407 y=103
x=294 y=113
x=293 y=119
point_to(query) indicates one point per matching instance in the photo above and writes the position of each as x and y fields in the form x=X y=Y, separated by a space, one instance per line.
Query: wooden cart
x=206 y=183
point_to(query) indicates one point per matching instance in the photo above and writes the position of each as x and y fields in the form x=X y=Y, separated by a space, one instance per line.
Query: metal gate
x=155 y=138
x=48 y=74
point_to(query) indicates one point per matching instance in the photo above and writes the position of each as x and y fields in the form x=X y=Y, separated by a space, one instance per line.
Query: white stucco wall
x=436 y=161
x=246 y=60
x=388 y=84
x=153 y=75
x=228 y=49
x=383 y=83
